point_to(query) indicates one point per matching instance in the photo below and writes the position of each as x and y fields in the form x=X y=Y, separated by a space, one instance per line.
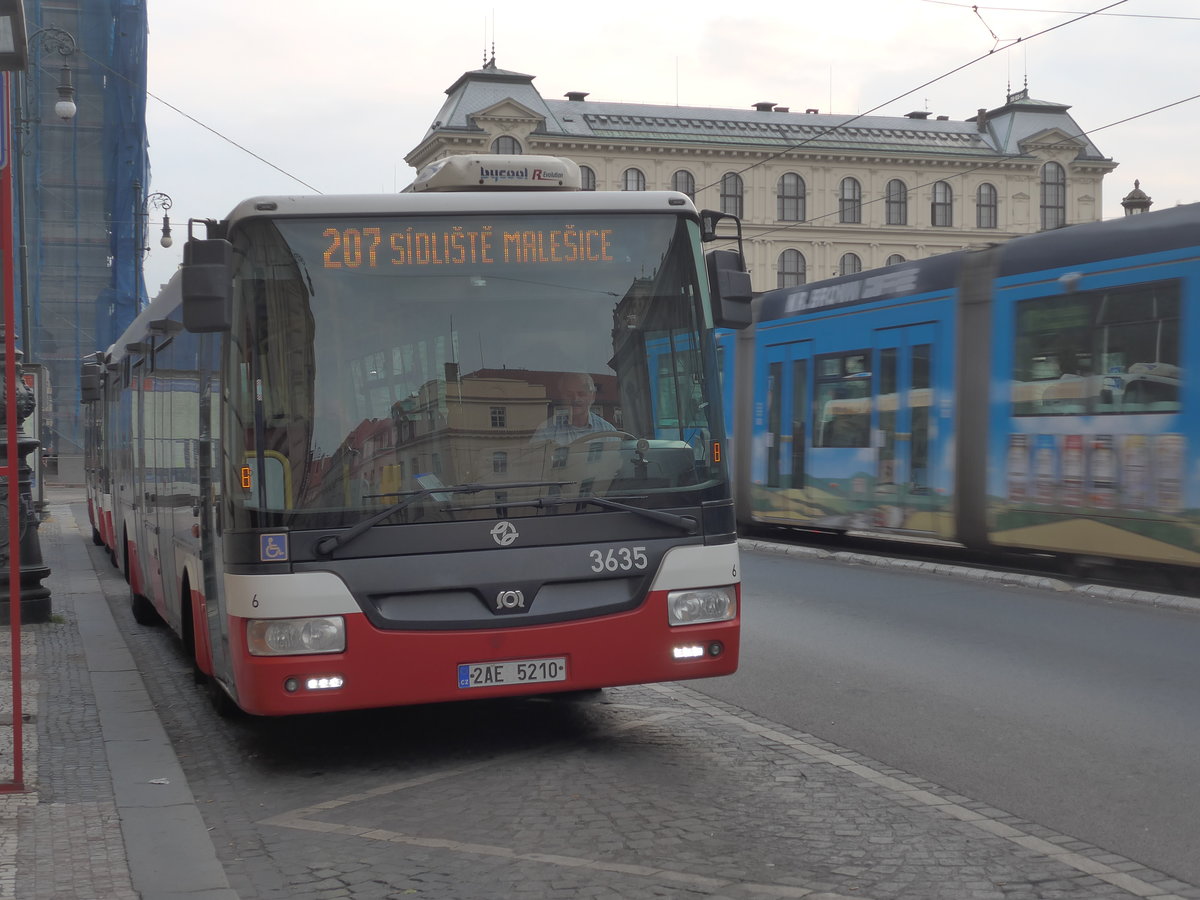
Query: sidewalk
x=107 y=812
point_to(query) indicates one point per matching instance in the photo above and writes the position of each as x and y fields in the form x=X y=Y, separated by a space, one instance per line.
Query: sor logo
x=504 y=533
x=507 y=601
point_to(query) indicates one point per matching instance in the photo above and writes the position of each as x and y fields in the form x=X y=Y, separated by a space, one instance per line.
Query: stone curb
x=1037 y=582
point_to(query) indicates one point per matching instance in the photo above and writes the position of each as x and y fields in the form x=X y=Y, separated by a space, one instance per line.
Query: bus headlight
x=293 y=637
x=699 y=605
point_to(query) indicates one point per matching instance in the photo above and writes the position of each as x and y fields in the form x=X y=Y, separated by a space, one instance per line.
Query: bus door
x=142 y=533
x=154 y=427
x=783 y=430
x=164 y=493
x=903 y=428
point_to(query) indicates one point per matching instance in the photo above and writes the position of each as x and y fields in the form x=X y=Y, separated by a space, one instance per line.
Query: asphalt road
x=1080 y=714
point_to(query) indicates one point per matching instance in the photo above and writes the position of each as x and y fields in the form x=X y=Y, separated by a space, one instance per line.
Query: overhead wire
x=1078 y=16
x=192 y=118
x=1066 y=12
x=854 y=118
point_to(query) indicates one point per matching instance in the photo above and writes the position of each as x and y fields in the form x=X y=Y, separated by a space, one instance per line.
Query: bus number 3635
x=618 y=559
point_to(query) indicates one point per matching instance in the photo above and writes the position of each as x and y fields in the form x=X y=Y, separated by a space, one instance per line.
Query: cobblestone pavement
x=62 y=837
x=653 y=791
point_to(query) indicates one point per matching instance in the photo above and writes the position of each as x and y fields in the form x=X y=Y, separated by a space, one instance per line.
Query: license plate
x=521 y=671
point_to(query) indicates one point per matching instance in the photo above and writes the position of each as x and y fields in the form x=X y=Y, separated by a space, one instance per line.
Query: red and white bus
x=463 y=441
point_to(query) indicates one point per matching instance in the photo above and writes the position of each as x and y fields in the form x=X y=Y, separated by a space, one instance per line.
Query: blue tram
x=1030 y=395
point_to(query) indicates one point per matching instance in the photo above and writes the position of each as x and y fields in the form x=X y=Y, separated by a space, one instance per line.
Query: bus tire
x=221 y=702
x=143 y=610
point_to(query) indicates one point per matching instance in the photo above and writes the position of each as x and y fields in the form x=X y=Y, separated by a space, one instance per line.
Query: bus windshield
x=539 y=355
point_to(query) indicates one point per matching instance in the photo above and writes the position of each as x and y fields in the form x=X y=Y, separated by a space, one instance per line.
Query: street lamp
x=58 y=40
x=159 y=200
x=156 y=200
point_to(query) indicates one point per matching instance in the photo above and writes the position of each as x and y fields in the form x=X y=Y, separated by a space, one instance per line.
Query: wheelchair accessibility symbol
x=272 y=548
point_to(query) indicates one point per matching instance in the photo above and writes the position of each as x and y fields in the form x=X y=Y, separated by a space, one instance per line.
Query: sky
x=253 y=97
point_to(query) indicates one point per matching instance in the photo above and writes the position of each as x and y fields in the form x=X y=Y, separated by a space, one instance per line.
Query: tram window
x=842 y=400
x=1099 y=352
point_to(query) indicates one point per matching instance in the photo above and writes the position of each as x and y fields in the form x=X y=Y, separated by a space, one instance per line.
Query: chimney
x=918 y=114
x=981 y=120
x=765 y=106
x=782 y=109
x=576 y=96
x=812 y=110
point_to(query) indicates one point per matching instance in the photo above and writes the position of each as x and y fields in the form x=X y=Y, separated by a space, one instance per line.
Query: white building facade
x=819 y=195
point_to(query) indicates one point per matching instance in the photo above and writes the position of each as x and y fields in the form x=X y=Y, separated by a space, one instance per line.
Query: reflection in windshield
x=366 y=377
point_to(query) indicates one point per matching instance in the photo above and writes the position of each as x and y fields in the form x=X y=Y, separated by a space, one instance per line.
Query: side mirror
x=207 y=284
x=89 y=383
x=731 y=291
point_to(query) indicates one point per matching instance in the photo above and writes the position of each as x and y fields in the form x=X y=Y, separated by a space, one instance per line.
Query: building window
x=499 y=417
x=684 y=182
x=731 y=194
x=633 y=180
x=895 y=259
x=792 y=270
x=850 y=201
x=941 y=211
x=849 y=264
x=987 y=213
x=790 y=199
x=1054 y=196
x=506 y=144
x=587 y=178
x=897 y=202
x=500 y=462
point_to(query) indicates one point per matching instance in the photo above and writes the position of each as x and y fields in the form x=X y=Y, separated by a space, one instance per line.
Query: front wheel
x=221 y=702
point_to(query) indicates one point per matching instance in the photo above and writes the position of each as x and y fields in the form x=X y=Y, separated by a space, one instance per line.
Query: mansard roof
x=765 y=126
x=486 y=88
x=1022 y=118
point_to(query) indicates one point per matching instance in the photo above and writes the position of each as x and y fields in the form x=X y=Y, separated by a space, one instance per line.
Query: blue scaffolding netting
x=81 y=189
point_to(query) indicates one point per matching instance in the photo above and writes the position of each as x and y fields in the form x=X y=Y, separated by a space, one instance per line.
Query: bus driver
x=576 y=391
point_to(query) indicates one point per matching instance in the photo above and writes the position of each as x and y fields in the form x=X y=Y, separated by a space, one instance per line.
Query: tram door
x=903 y=431
x=786 y=431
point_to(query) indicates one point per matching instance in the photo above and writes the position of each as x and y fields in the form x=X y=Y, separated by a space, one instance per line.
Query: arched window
x=850 y=264
x=896 y=202
x=792 y=269
x=790 y=199
x=850 y=201
x=941 y=211
x=633 y=180
x=587 y=178
x=1054 y=196
x=895 y=259
x=987 y=211
x=684 y=182
x=506 y=144
x=731 y=194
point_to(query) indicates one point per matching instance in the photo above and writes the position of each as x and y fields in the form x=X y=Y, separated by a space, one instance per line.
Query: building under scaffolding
x=81 y=193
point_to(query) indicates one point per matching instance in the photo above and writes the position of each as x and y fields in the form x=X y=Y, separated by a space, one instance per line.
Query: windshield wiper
x=328 y=544
x=686 y=524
